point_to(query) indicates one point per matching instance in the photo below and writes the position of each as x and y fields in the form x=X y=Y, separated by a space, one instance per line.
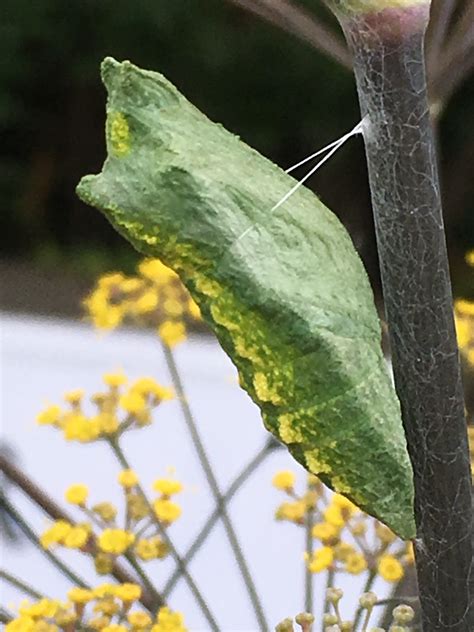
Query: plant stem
x=21 y=585
x=117 y=450
x=215 y=490
x=156 y=596
x=33 y=538
x=390 y=74
x=308 y=575
x=304 y=25
x=367 y=586
x=5 y=616
x=329 y=584
x=214 y=517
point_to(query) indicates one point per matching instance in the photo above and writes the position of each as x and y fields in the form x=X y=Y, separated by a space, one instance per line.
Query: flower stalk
x=386 y=39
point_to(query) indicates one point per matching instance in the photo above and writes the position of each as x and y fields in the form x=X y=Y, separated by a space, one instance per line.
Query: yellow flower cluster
x=342 y=530
x=464 y=315
x=107 y=608
x=154 y=298
x=116 y=409
x=143 y=521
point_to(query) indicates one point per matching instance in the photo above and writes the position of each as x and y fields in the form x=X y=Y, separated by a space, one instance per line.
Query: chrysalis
x=291 y=303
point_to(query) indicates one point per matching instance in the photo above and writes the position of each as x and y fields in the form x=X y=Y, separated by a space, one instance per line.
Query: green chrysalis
x=285 y=292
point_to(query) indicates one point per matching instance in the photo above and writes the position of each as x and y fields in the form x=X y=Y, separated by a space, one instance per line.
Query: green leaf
x=285 y=292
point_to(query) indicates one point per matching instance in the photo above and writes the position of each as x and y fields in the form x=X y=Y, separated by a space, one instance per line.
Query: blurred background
x=278 y=76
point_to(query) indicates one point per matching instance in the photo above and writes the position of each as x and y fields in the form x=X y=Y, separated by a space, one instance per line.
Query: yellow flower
x=470 y=258
x=294 y=512
x=21 y=624
x=137 y=507
x=103 y=563
x=325 y=531
x=55 y=534
x=150 y=549
x=321 y=559
x=343 y=550
x=147 y=386
x=127 y=478
x=74 y=397
x=168 y=621
x=128 y=592
x=106 y=511
x=166 y=510
x=115 y=627
x=156 y=271
x=346 y=505
x=46 y=608
x=193 y=310
x=131 y=284
x=147 y=302
x=409 y=557
x=132 y=402
x=78 y=428
x=390 y=568
x=111 y=279
x=115 y=541
x=172 y=333
x=98 y=623
x=103 y=314
x=167 y=486
x=80 y=595
x=107 y=606
x=77 y=494
x=284 y=480
x=104 y=590
x=355 y=563
x=384 y=534
x=77 y=537
x=114 y=380
x=463 y=331
x=139 y=620
x=333 y=515
x=173 y=307
x=49 y=415
x=106 y=422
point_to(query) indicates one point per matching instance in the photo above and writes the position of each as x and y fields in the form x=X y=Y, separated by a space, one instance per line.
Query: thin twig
x=301 y=23
x=49 y=506
x=308 y=575
x=5 y=616
x=215 y=489
x=329 y=584
x=122 y=459
x=367 y=586
x=157 y=597
x=21 y=585
x=33 y=538
x=214 y=517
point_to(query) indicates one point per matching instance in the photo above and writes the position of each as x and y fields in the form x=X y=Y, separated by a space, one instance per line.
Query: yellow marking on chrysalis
x=340 y=486
x=288 y=433
x=207 y=286
x=263 y=390
x=315 y=464
x=221 y=316
x=119 y=134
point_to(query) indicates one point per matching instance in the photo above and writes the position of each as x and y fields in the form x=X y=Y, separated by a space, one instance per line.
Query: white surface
x=42 y=359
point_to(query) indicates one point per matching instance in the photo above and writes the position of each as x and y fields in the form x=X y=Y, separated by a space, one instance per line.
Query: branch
x=214 y=517
x=49 y=506
x=301 y=23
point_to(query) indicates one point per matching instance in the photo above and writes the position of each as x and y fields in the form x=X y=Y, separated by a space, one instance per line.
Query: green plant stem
x=329 y=584
x=21 y=585
x=308 y=575
x=367 y=586
x=33 y=538
x=247 y=471
x=121 y=458
x=215 y=490
x=156 y=596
